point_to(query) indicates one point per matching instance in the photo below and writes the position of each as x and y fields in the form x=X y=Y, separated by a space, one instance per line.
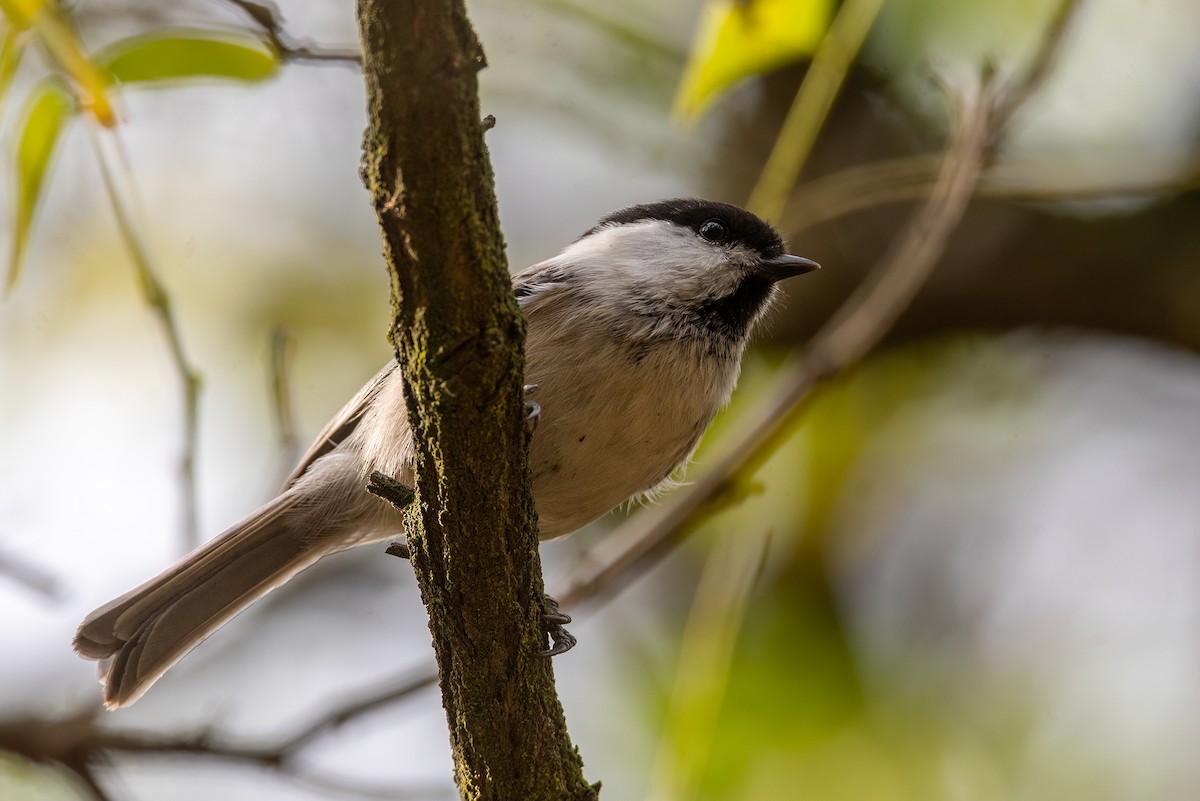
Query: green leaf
x=740 y=38
x=48 y=108
x=11 y=51
x=61 y=43
x=177 y=55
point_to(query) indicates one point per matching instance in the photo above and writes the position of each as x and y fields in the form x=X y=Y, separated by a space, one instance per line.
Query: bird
x=635 y=334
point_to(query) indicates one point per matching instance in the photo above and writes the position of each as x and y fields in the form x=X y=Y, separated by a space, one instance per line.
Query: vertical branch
x=459 y=337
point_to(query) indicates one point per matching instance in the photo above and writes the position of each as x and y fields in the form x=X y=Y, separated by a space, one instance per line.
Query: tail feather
x=140 y=635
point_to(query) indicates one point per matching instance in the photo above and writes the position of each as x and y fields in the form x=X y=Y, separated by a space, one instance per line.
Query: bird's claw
x=561 y=640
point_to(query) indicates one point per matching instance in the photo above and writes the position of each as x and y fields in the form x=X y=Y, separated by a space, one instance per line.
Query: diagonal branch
x=267 y=17
x=79 y=744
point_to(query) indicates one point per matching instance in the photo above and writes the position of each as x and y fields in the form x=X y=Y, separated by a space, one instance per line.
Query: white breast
x=616 y=421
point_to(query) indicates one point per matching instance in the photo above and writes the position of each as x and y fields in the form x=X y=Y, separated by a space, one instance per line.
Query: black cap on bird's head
x=688 y=261
x=718 y=224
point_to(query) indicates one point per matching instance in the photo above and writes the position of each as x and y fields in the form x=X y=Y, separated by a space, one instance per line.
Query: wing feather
x=342 y=424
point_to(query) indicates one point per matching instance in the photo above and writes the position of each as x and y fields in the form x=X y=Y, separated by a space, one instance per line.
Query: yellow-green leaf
x=48 y=108
x=177 y=55
x=740 y=38
x=66 y=51
x=21 y=13
x=11 y=51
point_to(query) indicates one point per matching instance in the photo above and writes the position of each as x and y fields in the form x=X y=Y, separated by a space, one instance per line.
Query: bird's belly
x=600 y=442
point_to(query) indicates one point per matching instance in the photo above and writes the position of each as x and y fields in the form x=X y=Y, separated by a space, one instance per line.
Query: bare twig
x=908 y=178
x=155 y=295
x=356 y=708
x=29 y=576
x=383 y=792
x=268 y=18
x=1045 y=58
x=92 y=785
x=814 y=98
x=706 y=652
x=282 y=347
x=977 y=125
x=79 y=742
x=617 y=29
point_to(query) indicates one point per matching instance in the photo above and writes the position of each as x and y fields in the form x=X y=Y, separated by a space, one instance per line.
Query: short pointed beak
x=786 y=266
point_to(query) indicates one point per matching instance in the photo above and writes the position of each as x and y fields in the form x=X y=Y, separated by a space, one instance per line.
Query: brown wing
x=342 y=424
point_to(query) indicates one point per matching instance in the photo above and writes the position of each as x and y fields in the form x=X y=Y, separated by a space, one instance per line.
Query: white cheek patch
x=664 y=259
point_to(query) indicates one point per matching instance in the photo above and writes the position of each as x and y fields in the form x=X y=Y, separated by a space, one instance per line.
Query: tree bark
x=459 y=337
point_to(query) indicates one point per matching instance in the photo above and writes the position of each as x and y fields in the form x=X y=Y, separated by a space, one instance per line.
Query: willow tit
x=635 y=334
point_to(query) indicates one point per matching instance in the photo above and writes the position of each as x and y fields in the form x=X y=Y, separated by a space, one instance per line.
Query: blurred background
x=970 y=572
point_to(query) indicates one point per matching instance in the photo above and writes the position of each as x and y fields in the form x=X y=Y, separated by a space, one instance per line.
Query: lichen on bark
x=459 y=336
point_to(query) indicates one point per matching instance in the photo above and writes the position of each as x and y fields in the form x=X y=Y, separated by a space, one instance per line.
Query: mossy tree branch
x=459 y=336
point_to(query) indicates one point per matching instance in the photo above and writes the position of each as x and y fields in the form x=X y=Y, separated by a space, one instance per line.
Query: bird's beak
x=786 y=266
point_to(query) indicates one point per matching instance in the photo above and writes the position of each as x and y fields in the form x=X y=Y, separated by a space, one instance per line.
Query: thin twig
x=866 y=186
x=825 y=76
x=29 y=576
x=92 y=785
x=155 y=295
x=282 y=347
x=384 y=792
x=706 y=653
x=268 y=18
x=814 y=98
x=618 y=29
x=282 y=752
x=79 y=742
x=359 y=707
x=1045 y=58
x=977 y=125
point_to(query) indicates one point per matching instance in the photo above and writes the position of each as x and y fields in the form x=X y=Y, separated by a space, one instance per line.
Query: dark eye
x=713 y=231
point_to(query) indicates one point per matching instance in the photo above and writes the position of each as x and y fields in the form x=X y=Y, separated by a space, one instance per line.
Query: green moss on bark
x=459 y=336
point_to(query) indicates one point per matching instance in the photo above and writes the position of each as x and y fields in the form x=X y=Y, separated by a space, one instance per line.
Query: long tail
x=141 y=634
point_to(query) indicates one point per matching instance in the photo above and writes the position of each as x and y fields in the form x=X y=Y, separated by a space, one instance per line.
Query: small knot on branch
x=394 y=492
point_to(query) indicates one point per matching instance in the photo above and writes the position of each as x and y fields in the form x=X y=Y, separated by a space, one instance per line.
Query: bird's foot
x=561 y=640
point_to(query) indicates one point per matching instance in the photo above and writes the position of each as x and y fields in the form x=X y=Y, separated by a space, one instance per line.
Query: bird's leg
x=533 y=410
x=561 y=640
x=398 y=495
